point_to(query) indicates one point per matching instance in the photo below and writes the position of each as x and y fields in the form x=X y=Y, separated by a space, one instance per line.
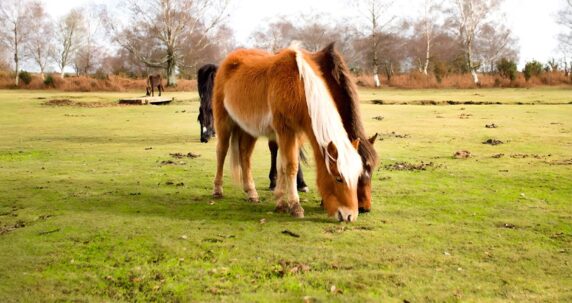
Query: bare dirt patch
x=189 y=155
x=497 y=156
x=462 y=154
x=491 y=125
x=493 y=142
x=383 y=136
x=406 y=166
x=72 y=103
x=560 y=162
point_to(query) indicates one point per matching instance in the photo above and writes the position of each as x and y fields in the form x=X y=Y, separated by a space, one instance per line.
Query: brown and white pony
x=152 y=82
x=286 y=96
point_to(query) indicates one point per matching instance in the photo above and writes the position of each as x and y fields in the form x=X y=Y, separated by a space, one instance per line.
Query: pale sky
x=532 y=21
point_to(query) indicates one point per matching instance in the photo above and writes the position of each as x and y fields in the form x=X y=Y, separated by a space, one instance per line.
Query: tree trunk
x=171 y=69
x=16 y=59
x=17 y=69
x=470 y=63
x=427 y=57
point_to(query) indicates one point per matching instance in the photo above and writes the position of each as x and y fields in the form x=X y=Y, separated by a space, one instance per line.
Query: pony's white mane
x=326 y=121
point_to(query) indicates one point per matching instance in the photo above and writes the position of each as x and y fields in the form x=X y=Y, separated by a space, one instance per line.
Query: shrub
x=25 y=77
x=49 y=81
x=440 y=70
x=532 y=69
x=507 y=69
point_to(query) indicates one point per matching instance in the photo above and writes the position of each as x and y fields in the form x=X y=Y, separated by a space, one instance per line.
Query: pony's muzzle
x=346 y=215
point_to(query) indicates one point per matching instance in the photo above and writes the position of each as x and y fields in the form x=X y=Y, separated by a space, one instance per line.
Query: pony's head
x=344 y=92
x=206 y=119
x=339 y=193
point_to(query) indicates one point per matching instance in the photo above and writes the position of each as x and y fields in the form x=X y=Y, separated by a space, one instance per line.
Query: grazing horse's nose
x=346 y=215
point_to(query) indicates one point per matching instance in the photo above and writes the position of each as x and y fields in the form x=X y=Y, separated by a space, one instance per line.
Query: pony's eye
x=339 y=180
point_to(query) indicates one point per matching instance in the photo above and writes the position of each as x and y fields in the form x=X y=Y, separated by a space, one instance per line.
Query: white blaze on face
x=204 y=129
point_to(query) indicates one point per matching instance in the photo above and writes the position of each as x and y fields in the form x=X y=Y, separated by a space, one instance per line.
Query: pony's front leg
x=246 y=145
x=287 y=175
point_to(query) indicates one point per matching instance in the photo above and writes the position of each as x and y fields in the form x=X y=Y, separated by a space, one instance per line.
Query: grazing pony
x=152 y=82
x=205 y=82
x=287 y=96
x=344 y=91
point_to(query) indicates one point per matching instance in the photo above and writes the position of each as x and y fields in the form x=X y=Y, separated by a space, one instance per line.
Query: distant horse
x=205 y=82
x=152 y=82
x=287 y=96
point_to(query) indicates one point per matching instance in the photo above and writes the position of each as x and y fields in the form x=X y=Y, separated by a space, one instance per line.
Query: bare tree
x=89 y=52
x=275 y=35
x=565 y=20
x=428 y=23
x=469 y=16
x=375 y=12
x=68 y=36
x=166 y=24
x=494 y=43
x=40 y=46
x=14 y=28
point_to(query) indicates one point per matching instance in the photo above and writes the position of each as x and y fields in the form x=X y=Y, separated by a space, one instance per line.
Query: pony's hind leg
x=287 y=192
x=223 y=142
x=273 y=146
x=246 y=146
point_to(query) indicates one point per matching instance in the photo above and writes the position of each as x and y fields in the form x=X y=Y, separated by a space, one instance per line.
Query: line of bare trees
x=177 y=36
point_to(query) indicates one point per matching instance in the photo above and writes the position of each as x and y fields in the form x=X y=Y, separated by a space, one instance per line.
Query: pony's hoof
x=281 y=209
x=303 y=189
x=254 y=200
x=217 y=195
x=297 y=211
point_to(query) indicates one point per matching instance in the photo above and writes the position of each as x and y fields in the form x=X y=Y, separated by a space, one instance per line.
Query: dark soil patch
x=287 y=267
x=526 y=156
x=291 y=234
x=182 y=156
x=498 y=156
x=462 y=154
x=491 y=126
x=8 y=228
x=465 y=116
x=71 y=103
x=560 y=162
x=171 y=162
x=377 y=102
x=406 y=166
x=507 y=225
x=493 y=142
x=383 y=136
x=378 y=118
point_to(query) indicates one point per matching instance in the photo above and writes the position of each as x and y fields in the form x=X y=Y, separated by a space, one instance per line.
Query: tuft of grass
x=89 y=213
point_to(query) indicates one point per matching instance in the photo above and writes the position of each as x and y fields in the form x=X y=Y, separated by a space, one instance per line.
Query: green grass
x=87 y=212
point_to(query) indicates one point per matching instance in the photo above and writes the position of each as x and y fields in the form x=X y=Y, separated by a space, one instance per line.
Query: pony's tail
x=236 y=167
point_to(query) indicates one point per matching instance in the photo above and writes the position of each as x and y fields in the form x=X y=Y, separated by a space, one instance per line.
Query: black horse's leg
x=302 y=187
x=160 y=89
x=273 y=146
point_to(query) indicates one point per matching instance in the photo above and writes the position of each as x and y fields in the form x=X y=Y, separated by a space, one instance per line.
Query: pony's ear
x=373 y=138
x=356 y=143
x=332 y=151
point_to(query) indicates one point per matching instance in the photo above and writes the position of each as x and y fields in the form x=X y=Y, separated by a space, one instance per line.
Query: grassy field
x=94 y=208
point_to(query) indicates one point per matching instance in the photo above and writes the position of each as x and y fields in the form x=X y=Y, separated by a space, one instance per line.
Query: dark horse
x=205 y=82
x=152 y=82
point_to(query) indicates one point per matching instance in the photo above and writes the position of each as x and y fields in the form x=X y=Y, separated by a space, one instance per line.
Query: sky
x=532 y=21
